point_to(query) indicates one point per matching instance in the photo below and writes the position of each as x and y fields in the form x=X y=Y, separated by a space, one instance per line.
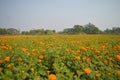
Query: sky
x=58 y=14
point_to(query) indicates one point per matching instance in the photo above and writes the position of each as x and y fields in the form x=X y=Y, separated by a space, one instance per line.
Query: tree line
x=13 y=31
x=77 y=29
x=89 y=29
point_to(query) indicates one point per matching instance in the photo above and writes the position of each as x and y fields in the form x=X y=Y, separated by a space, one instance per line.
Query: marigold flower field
x=60 y=57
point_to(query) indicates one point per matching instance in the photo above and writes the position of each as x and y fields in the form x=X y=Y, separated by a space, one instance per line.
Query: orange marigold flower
x=33 y=50
x=42 y=51
x=52 y=77
x=1 y=69
x=9 y=65
x=78 y=51
x=87 y=70
x=77 y=57
x=118 y=57
x=51 y=45
x=110 y=58
x=24 y=49
x=83 y=48
x=67 y=50
x=1 y=61
x=7 y=58
x=72 y=51
x=118 y=72
x=102 y=47
x=97 y=52
x=98 y=75
x=108 y=73
x=118 y=47
x=84 y=58
x=39 y=60
x=19 y=59
x=41 y=57
x=4 y=47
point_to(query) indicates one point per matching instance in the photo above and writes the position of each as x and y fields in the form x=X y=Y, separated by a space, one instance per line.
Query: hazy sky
x=58 y=14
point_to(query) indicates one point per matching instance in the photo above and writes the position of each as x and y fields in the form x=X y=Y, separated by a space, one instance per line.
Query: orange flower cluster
x=6 y=47
x=52 y=77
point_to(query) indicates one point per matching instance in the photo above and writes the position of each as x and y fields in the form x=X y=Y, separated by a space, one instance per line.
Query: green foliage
x=78 y=29
x=91 y=29
x=114 y=30
x=38 y=32
x=9 y=31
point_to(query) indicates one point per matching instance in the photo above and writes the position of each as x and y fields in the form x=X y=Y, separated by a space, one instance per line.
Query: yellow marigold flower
x=9 y=65
x=109 y=73
x=52 y=77
x=1 y=69
x=23 y=71
x=67 y=50
x=33 y=50
x=39 y=60
x=98 y=75
x=32 y=69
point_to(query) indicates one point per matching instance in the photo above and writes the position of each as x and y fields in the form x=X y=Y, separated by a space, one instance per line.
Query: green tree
x=78 y=29
x=3 y=31
x=12 y=31
x=49 y=31
x=91 y=29
x=37 y=31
